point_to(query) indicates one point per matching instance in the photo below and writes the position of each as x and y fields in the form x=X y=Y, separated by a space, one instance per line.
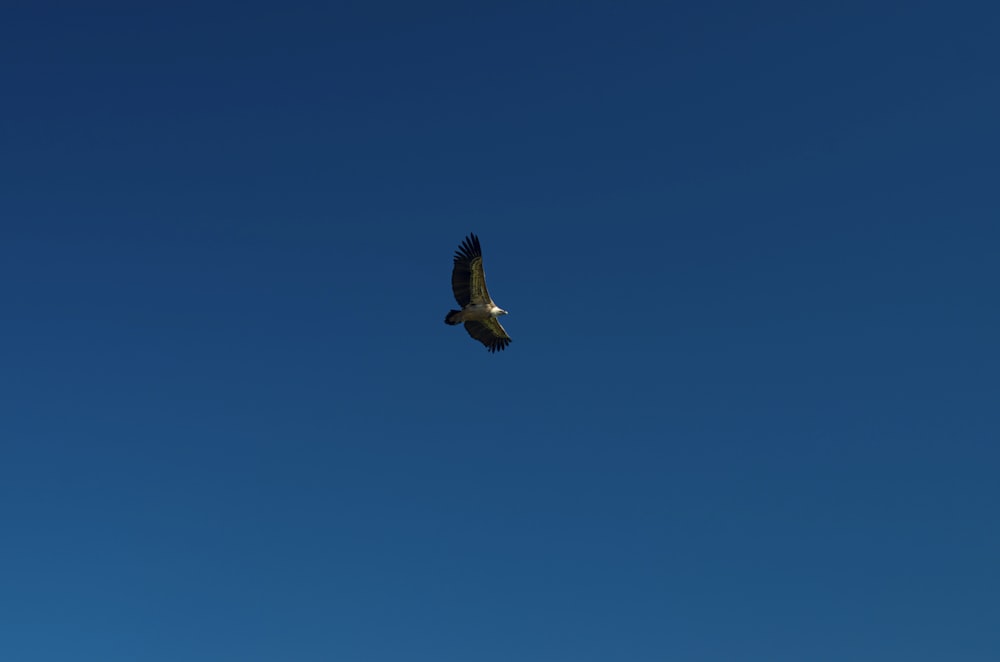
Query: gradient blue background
x=750 y=251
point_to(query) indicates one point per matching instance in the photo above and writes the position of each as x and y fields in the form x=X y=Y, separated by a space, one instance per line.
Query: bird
x=478 y=313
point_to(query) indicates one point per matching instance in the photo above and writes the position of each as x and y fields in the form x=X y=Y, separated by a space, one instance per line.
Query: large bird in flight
x=479 y=313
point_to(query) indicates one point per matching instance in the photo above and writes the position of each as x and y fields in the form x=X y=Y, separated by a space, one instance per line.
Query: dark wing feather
x=490 y=333
x=468 y=280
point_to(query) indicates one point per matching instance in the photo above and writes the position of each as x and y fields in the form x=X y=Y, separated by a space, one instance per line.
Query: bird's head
x=501 y=312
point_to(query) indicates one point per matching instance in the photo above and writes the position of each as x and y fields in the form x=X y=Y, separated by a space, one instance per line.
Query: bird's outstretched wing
x=468 y=280
x=490 y=333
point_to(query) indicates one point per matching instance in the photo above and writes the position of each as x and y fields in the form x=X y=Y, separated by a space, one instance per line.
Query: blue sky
x=750 y=257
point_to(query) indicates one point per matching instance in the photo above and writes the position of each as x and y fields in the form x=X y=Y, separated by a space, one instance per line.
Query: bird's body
x=475 y=311
x=479 y=314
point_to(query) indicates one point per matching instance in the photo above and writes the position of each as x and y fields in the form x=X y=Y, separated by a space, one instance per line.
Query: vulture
x=478 y=313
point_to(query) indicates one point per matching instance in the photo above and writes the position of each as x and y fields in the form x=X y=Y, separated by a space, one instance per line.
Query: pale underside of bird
x=478 y=313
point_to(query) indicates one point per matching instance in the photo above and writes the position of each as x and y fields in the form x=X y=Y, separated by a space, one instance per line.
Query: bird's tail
x=453 y=317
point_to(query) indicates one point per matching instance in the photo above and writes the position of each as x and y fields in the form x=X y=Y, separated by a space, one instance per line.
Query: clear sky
x=751 y=409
